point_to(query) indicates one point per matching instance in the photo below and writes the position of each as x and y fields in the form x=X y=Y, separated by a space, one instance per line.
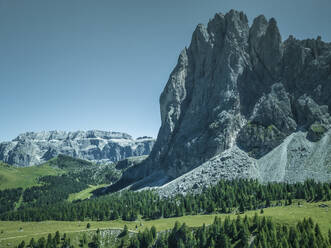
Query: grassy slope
x=68 y=163
x=288 y=214
x=15 y=177
x=86 y=193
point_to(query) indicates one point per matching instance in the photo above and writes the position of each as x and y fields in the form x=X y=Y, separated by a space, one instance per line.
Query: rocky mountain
x=241 y=102
x=34 y=148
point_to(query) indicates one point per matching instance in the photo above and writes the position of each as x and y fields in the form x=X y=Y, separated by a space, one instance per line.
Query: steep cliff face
x=98 y=146
x=242 y=88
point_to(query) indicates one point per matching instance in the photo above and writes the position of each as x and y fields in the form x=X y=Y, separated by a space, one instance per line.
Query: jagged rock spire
x=237 y=87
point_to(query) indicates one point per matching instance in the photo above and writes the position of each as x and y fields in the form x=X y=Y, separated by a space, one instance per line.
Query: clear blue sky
x=102 y=64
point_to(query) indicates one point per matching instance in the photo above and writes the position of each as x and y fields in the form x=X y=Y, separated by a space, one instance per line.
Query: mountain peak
x=61 y=135
x=242 y=90
x=33 y=148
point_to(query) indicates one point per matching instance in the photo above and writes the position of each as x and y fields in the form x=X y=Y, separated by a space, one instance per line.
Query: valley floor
x=13 y=232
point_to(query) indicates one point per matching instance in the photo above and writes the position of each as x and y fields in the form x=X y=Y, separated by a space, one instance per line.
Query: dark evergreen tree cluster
x=96 y=175
x=225 y=197
x=9 y=198
x=254 y=232
x=239 y=233
x=54 y=189
x=85 y=171
x=55 y=241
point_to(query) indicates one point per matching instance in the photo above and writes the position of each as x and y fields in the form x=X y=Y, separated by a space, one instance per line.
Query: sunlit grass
x=86 y=193
x=16 y=177
x=15 y=231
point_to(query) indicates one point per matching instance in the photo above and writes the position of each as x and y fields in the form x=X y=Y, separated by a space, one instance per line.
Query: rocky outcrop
x=98 y=146
x=239 y=86
x=294 y=160
x=129 y=162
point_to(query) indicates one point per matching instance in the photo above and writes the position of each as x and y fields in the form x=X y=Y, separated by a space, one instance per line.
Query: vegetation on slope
x=68 y=163
x=86 y=193
x=52 y=182
x=86 y=171
x=238 y=233
x=48 y=200
x=24 y=177
x=15 y=232
x=225 y=197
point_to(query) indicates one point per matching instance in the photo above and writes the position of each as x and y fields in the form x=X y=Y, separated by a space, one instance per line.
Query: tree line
x=255 y=232
x=9 y=198
x=225 y=197
x=55 y=241
x=57 y=188
x=240 y=232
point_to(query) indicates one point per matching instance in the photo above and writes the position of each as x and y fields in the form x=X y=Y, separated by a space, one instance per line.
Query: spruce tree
x=153 y=231
x=84 y=239
x=32 y=243
x=57 y=237
x=21 y=245
x=224 y=241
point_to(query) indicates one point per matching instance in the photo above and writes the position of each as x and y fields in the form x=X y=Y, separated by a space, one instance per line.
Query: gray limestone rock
x=297 y=159
x=33 y=148
x=294 y=160
x=243 y=87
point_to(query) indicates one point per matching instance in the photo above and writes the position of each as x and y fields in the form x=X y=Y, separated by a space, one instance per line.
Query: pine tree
x=42 y=243
x=241 y=207
x=304 y=239
x=318 y=233
x=21 y=245
x=312 y=241
x=226 y=225
x=32 y=243
x=224 y=241
x=134 y=243
x=120 y=246
x=284 y=242
x=180 y=244
x=57 y=237
x=96 y=243
x=264 y=240
x=267 y=202
x=293 y=236
x=243 y=236
x=203 y=236
x=49 y=240
x=84 y=239
x=233 y=231
x=212 y=244
x=153 y=231
x=125 y=231
x=114 y=215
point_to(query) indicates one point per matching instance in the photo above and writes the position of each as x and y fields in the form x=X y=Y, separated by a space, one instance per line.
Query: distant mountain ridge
x=34 y=148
